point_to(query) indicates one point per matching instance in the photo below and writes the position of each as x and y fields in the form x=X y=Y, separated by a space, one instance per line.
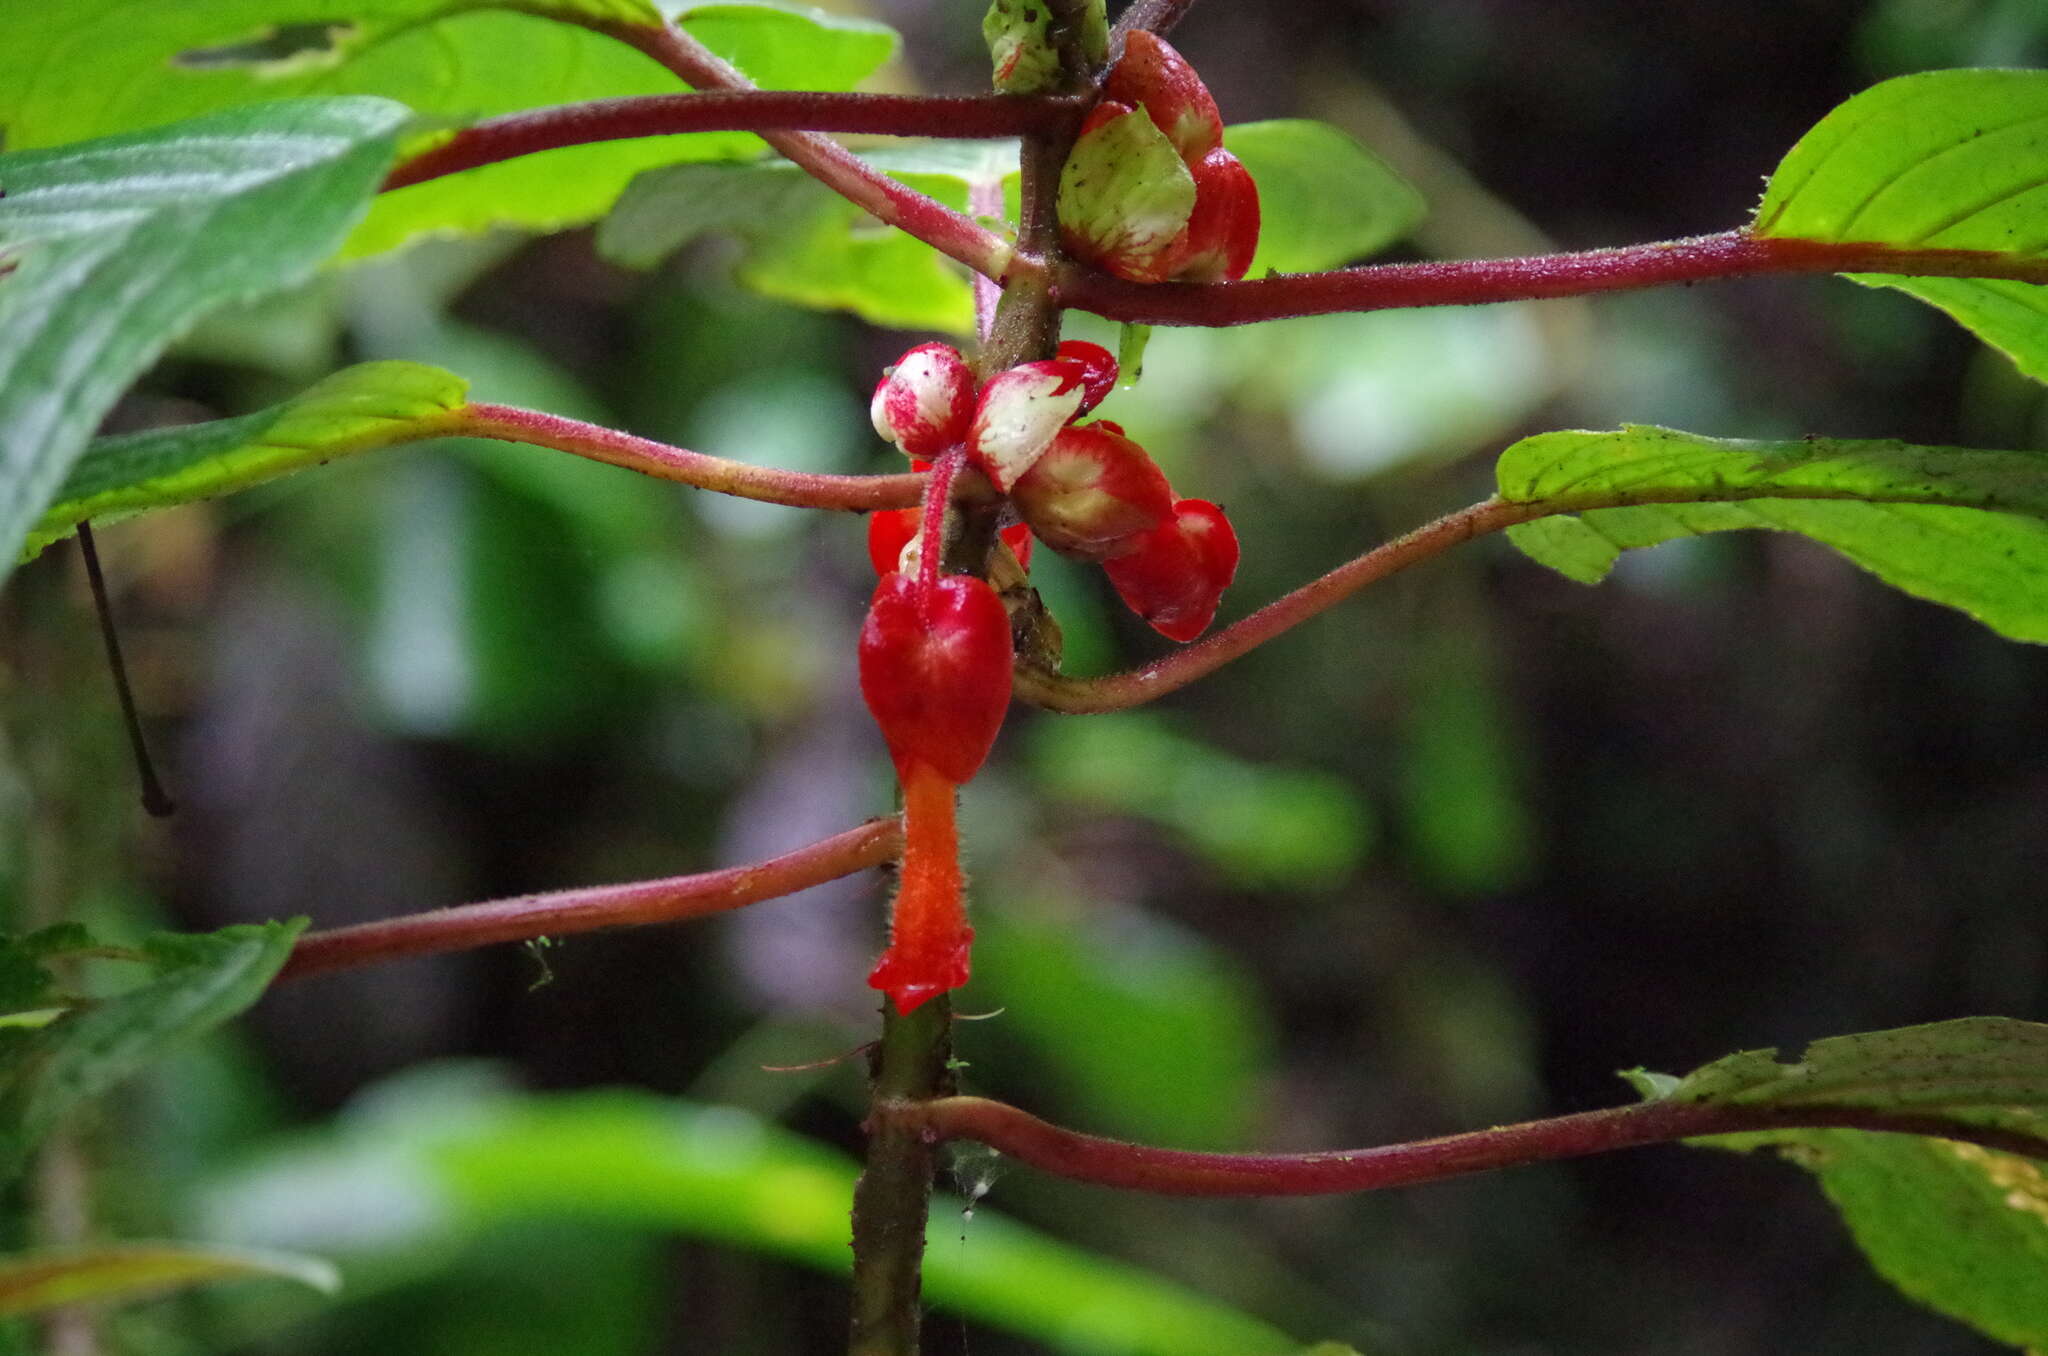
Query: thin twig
x=1469 y=282
x=155 y=800
x=951 y=233
x=579 y=124
x=561 y=912
x=766 y=484
x=1157 y=16
x=1169 y=673
x=1175 y=1172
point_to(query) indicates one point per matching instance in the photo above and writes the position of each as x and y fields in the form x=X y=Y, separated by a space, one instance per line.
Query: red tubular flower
x=1175 y=577
x=1095 y=494
x=929 y=938
x=935 y=661
x=935 y=669
x=925 y=402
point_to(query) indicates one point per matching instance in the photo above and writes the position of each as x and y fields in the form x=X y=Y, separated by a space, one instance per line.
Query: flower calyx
x=1174 y=576
x=1088 y=491
x=925 y=402
x=1148 y=193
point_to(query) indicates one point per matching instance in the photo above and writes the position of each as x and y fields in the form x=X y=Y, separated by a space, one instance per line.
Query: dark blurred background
x=1448 y=856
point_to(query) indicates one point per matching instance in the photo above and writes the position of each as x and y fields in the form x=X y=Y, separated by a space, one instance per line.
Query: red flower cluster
x=936 y=652
x=1124 y=206
x=1085 y=490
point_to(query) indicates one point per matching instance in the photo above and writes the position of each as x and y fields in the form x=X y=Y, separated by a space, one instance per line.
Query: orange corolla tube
x=929 y=937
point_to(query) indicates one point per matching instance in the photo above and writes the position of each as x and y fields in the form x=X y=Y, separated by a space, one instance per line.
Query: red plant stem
x=1157 y=16
x=559 y=912
x=1466 y=282
x=768 y=484
x=1173 y=671
x=1176 y=1172
x=951 y=233
x=985 y=201
x=931 y=526
x=752 y=110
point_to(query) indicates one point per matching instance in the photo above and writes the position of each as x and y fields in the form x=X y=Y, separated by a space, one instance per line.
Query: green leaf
x=1140 y=1026
x=1990 y=1071
x=34 y=1281
x=200 y=982
x=806 y=244
x=1943 y=159
x=118 y=246
x=1324 y=200
x=2010 y=316
x=113 y=66
x=468 y=1161
x=1962 y=1229
x=1266 y=826
x=1958 y=526
x=27 y=988
x=358 y=409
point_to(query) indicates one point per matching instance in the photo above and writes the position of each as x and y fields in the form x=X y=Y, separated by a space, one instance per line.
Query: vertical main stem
x=892 y=1201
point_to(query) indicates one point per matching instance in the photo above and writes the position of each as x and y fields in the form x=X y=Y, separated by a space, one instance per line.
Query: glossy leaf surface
x=1324 y=199
x=197 y=983
x=1958 y=526
x=1942 y=159
x=118 y=246
x=358 y=409
x=804 y=244
x=114 y=66
x=1960 y=1228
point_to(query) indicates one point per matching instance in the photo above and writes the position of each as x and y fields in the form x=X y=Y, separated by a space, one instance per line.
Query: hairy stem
x=892 y=1201
x=1157 y=16
x=951 y=233
x=560 y=912
x=1170 y=673
x=768 y=484
x=1468 y=282
x=736 y=110
x=1174 y=1172
x=1174 y=671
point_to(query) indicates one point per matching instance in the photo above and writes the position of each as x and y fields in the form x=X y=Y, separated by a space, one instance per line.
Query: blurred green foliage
x=1441 y=859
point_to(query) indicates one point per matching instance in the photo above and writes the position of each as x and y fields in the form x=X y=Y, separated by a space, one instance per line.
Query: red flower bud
x=1152 y=74
x=1125 y=195
x=1223 y=230
x=924 y=404
x=1177 y=574
x=935 y=669
x=1021 y=412
x=1094 y=494
x=1098 y=370
x=891 y=530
